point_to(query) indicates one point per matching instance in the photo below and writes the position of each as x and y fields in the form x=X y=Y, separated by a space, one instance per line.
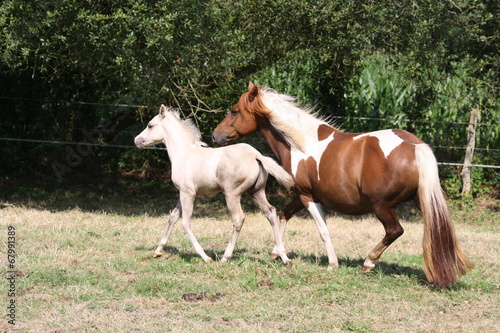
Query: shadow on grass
x=121 y=195
x=191 y=256
x=388 y=269
x=382 y=268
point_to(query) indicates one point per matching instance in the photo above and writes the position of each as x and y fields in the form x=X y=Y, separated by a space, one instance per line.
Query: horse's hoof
x=367 y=269
x=368 y=265
x=209 y=260
x=289 y=264
x=156 y=255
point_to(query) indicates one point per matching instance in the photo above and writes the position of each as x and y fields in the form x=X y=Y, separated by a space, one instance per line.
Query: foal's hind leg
x=293 y=207
x=393 y=230
x=270 y=212
x=174 y=216
x=238 y=217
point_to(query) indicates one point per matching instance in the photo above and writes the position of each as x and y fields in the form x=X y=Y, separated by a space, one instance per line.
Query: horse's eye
x=234 y=113
x=150 y=126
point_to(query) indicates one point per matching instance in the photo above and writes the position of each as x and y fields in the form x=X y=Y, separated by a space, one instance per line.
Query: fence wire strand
x=160 y=148
x=125 y=105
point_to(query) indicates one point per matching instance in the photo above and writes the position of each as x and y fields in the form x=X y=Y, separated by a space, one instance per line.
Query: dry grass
x=93 y=272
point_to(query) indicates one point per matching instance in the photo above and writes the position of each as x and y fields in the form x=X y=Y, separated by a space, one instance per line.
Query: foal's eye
x=150 y=126
x=234 y=113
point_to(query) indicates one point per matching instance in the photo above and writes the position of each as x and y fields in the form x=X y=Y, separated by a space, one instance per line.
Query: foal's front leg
x=174 y=216
x=187 y=201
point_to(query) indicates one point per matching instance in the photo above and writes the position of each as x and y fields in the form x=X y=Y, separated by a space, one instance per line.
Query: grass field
x=81 y=270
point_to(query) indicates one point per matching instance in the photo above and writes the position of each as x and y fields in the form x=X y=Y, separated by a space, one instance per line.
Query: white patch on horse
x=314 y=149
x=387 y=139
x=296 y=156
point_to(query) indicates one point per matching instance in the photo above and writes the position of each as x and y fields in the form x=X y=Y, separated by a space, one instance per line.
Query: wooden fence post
x=469 y=152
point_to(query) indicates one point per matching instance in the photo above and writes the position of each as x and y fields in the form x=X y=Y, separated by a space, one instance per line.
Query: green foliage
x=424 y=98
x=428 y=61
x=296 y=75
x=380 y=92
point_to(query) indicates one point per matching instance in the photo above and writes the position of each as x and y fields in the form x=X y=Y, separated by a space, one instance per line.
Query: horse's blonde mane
x=191 y=129
x=294 y=122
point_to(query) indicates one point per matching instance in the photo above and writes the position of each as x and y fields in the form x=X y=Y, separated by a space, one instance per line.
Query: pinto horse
x=351 y=173
x=198 y=170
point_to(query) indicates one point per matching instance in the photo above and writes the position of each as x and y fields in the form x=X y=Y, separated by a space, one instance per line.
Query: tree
x=415 y=56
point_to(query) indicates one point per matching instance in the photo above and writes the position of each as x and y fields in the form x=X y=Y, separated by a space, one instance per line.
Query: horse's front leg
x=317 y=214
x=174 y=216
x=187 y=202
x=291 y=209
x=238 y=217
x=270 y=212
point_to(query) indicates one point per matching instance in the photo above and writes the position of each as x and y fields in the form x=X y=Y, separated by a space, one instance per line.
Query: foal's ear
x=253 y=91
x=163 y=110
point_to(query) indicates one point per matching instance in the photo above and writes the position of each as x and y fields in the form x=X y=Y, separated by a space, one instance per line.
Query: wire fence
x=411 y=121
x=136 y=106
x=79 y=143
x=160 y=148
x=52 y=101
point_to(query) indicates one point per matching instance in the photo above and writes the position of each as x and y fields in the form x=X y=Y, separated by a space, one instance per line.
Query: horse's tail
x=444 y=261
x=276 y=171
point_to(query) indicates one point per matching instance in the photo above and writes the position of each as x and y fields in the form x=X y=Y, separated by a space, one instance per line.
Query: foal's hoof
x=274 y=256
x=156 y=255
x=208 y=261
x=289 y=264
x=332 y=267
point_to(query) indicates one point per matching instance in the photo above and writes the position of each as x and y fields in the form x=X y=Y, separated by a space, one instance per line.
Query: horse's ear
x=253 y=91
x=163 y=110
x=250 y=85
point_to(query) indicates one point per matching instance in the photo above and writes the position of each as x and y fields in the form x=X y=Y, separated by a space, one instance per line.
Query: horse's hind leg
x=393 y=230
x=174 y=216
x=270 y=212
x=187 y=201
x=238 y=217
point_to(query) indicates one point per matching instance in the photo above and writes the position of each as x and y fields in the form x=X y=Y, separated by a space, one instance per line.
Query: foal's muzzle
x=139 y=142
x=220 y=139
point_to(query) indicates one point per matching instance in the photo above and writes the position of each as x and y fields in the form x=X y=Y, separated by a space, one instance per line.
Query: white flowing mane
x=192 y=132
x=295 y=123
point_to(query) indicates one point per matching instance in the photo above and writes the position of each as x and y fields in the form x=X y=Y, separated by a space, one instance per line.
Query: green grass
x=84 y=266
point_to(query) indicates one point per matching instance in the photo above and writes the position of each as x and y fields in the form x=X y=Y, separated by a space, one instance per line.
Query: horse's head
x=243 y=119
x=153 y=133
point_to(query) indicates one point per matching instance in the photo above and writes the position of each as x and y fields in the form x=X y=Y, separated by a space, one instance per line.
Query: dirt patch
x=194 y=297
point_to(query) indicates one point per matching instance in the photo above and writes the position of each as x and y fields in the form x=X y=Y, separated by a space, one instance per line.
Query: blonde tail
x=276 y=171
x=444 y=261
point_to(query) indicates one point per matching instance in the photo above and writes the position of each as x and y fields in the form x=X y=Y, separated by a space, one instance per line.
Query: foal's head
x=154 y=132
x=168 y=126
x=243 y=119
